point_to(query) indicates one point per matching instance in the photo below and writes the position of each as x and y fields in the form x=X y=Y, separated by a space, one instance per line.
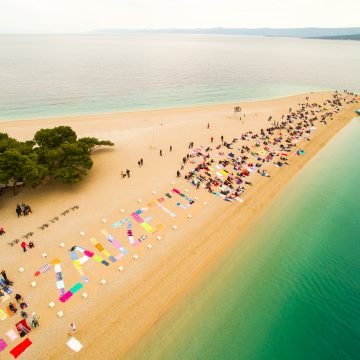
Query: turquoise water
x=47 y=76
x=292 y=288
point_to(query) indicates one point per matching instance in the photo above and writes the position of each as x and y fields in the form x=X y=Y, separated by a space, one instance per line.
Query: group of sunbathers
x=227 y=176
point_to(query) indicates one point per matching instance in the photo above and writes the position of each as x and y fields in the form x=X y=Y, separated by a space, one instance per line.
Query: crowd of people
x=225 y=170
x=17 y=306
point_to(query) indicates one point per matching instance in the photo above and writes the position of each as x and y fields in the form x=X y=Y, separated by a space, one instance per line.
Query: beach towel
x=74 y=344
x=9 y=312
x=3 y=314
x=99 y=247
x=18 y=350
x=67 y=295
x=23 y=328
x=6 y=289
x=112 y=240
x=3 y=344
x=11 y=334
x=147 y=227
x=5 y=298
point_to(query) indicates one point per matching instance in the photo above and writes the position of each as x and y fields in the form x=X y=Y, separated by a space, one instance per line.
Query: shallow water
x=45 y=76
x=291 y=289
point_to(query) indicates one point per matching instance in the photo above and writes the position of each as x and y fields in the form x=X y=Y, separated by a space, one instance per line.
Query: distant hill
x=294 y=32
x=340 y=37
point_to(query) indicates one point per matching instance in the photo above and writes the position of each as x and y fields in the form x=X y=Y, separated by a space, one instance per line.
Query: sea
x=290 y=287
x=53 y=75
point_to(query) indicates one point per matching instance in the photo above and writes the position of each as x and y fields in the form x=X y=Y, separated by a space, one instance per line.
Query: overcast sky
x=53 y=16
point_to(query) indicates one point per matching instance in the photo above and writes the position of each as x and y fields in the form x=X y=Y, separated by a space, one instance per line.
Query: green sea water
x=290 y=289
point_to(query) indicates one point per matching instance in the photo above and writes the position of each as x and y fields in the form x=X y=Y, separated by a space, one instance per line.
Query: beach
x=115 y=316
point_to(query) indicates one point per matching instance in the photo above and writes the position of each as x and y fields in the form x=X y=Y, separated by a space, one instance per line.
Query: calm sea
x=45 y=76
x=291 y=291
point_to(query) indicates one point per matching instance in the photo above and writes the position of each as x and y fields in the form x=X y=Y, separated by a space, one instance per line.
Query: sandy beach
x=117 y=315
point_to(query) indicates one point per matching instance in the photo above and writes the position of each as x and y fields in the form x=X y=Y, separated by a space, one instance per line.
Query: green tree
x=16 y=167
x=92 y=143
x=53 y=138
x=69 y=163
x=6 y=142
x=67 y=159
x=56 y=153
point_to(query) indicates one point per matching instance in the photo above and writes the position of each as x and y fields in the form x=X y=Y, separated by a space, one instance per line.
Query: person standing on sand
x=18 y=210
x=3 y=273
x=170 y=149
x=141 y=161
x=211 y=139
x=208 y=125
x=23 y=245
x=128 y=173
x=160 y=152
x=72 y=329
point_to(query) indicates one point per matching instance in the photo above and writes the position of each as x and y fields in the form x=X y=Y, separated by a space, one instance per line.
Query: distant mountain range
x=352 y=33
x=340 y=37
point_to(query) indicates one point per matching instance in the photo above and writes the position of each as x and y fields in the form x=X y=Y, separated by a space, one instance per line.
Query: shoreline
x=180 y=262
x=192 y=107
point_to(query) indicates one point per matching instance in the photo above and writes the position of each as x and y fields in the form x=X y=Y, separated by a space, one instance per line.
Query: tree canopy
x=54 y=153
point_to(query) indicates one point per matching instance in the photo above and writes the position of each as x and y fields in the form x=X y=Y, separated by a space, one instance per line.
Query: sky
x=72 y=16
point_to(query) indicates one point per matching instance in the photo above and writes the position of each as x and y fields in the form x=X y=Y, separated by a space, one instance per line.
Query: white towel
x=74 y=344
x=11 y=335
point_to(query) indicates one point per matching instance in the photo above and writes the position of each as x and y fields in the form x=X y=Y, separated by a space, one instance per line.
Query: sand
x=115 y=316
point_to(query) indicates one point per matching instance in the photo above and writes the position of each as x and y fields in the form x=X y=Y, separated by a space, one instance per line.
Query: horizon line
x=92 y=31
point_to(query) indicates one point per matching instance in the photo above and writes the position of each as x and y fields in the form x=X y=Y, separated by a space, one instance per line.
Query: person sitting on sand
x=31 y=245
x=23 y=305
x=24 y=314
x=12 y=308
x=8 y=282
x=18 y=298
x=34 y=322
x=2 y=230
x=23 y=331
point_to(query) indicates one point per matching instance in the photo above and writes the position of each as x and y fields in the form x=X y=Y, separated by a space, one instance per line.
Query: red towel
x=19 y=349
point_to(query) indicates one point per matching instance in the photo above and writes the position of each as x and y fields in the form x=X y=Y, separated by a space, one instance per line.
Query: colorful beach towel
x=3 y=314
x=18 y=350
x=3 y=344
x=9 y=312
x=23 y=328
